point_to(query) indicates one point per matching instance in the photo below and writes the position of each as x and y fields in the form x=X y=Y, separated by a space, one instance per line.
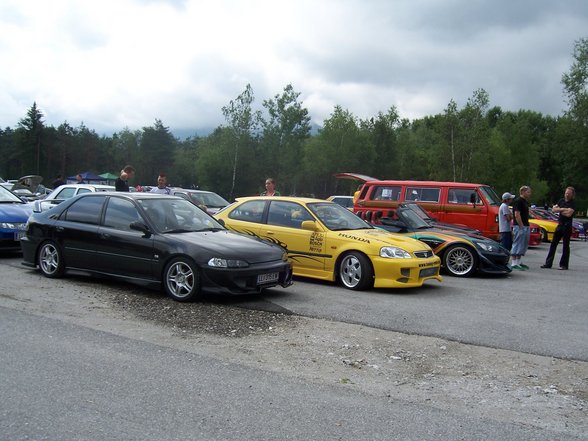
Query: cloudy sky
x=113 y=64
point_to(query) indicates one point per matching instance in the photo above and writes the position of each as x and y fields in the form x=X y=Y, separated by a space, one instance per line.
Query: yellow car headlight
x=394 y=253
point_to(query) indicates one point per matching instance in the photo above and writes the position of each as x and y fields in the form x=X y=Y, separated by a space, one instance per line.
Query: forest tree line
x=475 y=143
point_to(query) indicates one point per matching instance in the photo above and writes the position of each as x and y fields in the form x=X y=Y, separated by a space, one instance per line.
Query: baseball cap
x=507 y=195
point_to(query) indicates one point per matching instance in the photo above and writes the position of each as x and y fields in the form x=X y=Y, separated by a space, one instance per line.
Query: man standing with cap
x=504 y=221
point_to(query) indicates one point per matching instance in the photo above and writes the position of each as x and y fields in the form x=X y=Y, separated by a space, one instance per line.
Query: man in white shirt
x=162 y=187
x=504 y=221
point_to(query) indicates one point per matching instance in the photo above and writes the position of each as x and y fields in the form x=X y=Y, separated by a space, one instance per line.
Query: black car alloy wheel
x=50 y=260
x=181 y=280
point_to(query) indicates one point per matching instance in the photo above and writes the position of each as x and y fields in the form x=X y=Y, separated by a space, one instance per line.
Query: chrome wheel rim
x=180 y=279
x=350 y=271
x=49 y=259
x=460 y=261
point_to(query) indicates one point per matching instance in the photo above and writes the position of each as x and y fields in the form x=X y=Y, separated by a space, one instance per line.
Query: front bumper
x=239 y=281
x=405 y=273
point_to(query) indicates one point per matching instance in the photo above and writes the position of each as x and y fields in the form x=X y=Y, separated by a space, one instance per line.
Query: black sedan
x=154 y=240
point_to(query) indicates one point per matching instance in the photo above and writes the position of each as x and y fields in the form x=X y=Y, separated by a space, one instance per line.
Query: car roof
x=190 y=190
x=283 y=198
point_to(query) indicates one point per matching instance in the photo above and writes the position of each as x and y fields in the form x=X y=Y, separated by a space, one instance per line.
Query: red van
x=473 y=205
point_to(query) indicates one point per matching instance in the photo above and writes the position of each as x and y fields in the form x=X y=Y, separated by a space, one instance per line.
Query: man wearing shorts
x=520 y=230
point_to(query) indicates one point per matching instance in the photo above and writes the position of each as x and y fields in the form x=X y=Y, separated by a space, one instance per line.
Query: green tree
x=242 y=122
x=284 y=133
x=339 y=146
x=31 y=131
x=574 y=132
x=156 y=149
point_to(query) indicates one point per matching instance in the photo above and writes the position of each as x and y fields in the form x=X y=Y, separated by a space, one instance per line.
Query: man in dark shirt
x=566 y=207
x=121 y=183
x=520 y=228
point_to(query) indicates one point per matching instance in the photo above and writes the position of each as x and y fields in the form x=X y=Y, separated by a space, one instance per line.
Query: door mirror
x=309 y=225
x=473 y=199
x=140 y=226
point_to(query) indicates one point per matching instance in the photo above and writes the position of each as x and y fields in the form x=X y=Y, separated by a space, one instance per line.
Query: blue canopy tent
x=88 y=178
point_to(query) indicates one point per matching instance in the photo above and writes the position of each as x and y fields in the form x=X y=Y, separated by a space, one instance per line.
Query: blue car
x=14 y=213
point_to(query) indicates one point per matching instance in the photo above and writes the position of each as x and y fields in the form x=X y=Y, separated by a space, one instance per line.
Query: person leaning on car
x=566 y=207
x=504 y=221
x=121 y=183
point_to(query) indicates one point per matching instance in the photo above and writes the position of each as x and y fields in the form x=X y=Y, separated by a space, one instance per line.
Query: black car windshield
x=171 y=215
x=335 y=217
x=419 y=211
x=8 y=196
x=412 y=219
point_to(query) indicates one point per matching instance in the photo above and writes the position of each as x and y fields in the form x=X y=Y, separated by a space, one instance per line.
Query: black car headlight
x=219 y=262
x=489 y=247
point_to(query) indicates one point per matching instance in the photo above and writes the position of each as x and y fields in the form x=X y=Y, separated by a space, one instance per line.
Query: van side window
x=422 y=194
x=386 y=193
x=462 y=196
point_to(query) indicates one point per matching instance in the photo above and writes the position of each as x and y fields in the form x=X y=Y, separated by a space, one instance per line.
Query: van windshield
x=491 y=196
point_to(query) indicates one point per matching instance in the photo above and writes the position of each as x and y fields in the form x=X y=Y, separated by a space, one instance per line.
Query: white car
x=67 y=191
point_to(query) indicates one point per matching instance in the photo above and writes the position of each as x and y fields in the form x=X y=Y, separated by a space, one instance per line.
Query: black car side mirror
x=140 y=226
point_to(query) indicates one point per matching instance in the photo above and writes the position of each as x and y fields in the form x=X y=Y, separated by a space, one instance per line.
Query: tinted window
x=251 y=211
x=287 y=214
x=66 y=193
x=386 y=193
x=462 y=196
x=84 y=190
x=120 y=213
x=85 y=210
x=422 y=194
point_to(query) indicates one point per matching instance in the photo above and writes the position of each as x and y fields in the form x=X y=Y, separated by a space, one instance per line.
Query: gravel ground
x=532 y=390
x=528 y=389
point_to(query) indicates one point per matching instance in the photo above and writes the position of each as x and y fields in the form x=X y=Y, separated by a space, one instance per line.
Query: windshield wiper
x=211 y=229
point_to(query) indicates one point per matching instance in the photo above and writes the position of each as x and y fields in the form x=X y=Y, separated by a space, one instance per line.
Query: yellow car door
x=306 y=247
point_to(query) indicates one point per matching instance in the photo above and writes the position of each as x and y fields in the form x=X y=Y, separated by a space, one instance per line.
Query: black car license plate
x=267 y=278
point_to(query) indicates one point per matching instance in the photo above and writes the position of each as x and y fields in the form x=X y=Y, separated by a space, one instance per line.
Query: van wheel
x=356 y=272
x=460 y=261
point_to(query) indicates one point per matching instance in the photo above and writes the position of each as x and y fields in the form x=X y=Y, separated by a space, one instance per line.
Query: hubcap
x=180 y=279
x=350 y=271
x=460 y=261
x=49 y=259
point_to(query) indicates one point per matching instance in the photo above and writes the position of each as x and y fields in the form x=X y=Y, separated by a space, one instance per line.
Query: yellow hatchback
x=326 y=241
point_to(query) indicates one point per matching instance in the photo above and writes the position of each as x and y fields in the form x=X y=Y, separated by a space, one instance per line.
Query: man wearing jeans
x=520 y=229
x=566 y=208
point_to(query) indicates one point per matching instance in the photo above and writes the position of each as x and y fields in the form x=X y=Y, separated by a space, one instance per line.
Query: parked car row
x=254 y=243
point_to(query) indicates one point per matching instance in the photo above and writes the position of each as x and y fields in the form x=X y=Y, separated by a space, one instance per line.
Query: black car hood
x=231 y=245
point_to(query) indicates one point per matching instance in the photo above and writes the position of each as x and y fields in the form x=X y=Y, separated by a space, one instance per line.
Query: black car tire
x=50 y=260
x=181 y=280
x=355 y=272
x=460 y=261
x=544 y=236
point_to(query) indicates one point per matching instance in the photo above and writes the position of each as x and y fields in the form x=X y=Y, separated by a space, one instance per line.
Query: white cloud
x=119 y=63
